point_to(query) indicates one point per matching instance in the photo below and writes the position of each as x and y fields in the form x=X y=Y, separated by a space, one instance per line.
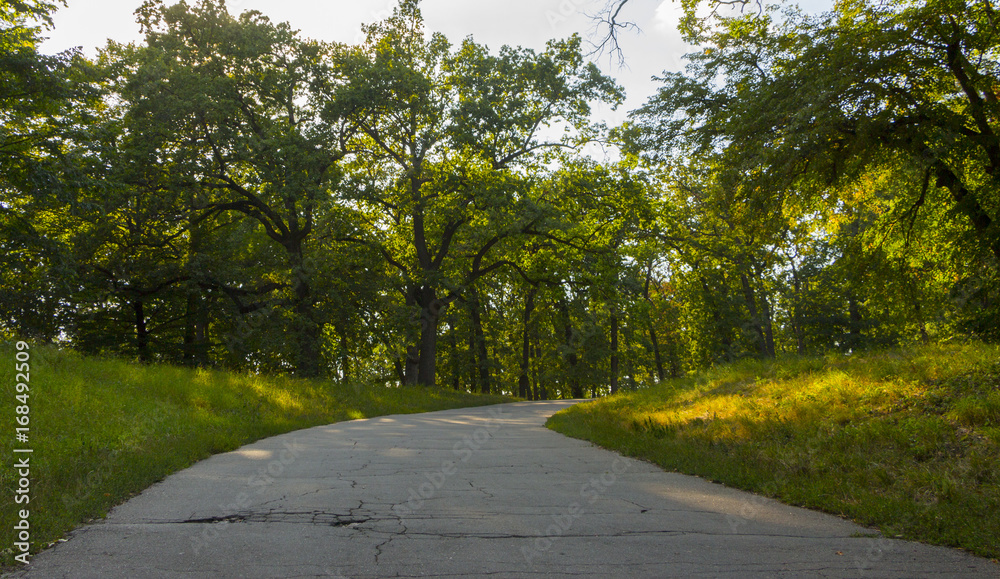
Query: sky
x=528 y=23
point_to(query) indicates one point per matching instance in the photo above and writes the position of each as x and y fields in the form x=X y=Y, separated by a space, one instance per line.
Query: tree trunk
x=755 y=317
x=535 y=353
x=195 y=351
x=397 y=366
x=523 y=384
x=721 y=332
x=456 y=368
x=307 y=362
x=966 y=202
x=479 y=339
x=411 y=365
x=614 y=352
x=797 y=329
x=430 y=315
x=141 y=333
x=543 y=393
x=675 y=366
x=924 y=338
x=653 y=339
x=768 y=326
x=345 y=360
x=854 y=314
x=190 y=347
x=576 y=389
x=470 y=357
x=411 y=359
x=918 y=313
x=306 y=329
x=657 y=354
x=427 y=366
x=201 y=333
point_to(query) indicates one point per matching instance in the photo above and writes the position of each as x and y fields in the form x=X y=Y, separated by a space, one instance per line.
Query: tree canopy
x=408 y=210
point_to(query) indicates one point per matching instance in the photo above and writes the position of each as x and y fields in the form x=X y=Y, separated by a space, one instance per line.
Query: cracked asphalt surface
x=474 y=492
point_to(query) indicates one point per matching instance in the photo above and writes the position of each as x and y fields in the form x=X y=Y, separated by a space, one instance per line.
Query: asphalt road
x=479 y=492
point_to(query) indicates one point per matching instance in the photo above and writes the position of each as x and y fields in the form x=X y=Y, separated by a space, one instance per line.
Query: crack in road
x=355 y=520
x=301 y=517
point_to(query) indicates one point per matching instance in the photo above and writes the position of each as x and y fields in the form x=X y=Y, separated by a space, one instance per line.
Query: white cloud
x=668 y=15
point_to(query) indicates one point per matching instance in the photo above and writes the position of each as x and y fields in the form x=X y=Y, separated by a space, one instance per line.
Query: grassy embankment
x=907 y=441
x=103 y=430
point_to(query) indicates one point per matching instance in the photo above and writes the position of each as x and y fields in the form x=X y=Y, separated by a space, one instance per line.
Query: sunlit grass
x=903 y=440
x=103 y=430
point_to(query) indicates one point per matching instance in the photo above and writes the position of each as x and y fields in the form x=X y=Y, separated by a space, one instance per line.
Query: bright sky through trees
x=528 y=23
x=406 y=208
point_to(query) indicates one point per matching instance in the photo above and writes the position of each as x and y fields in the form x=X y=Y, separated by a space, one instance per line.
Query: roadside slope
x=906 y=440
x=102 y=430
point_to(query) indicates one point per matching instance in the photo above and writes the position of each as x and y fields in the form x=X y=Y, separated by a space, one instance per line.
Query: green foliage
x=45 y=104
x=446 y=146
x=228 y=193
x=830 y=181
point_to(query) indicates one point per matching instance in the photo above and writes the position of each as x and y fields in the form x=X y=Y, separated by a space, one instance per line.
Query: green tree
x=46 y=107
x=798 y=114
x=227 y=106
x=445 y=143
x=829 y=96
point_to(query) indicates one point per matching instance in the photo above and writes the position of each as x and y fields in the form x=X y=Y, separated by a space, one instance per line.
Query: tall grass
x=905 y=440
x=103 y=430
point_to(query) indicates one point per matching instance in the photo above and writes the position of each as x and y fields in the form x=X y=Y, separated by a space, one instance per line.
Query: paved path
x=467 y=493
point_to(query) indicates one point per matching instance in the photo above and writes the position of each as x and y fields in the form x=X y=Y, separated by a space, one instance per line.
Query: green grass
x=907 y=441
x=103 y=430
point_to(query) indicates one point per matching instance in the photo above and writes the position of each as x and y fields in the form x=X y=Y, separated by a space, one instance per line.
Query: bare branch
x=608 y=25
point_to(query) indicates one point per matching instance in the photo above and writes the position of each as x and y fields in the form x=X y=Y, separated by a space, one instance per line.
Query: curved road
x=474 y=492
